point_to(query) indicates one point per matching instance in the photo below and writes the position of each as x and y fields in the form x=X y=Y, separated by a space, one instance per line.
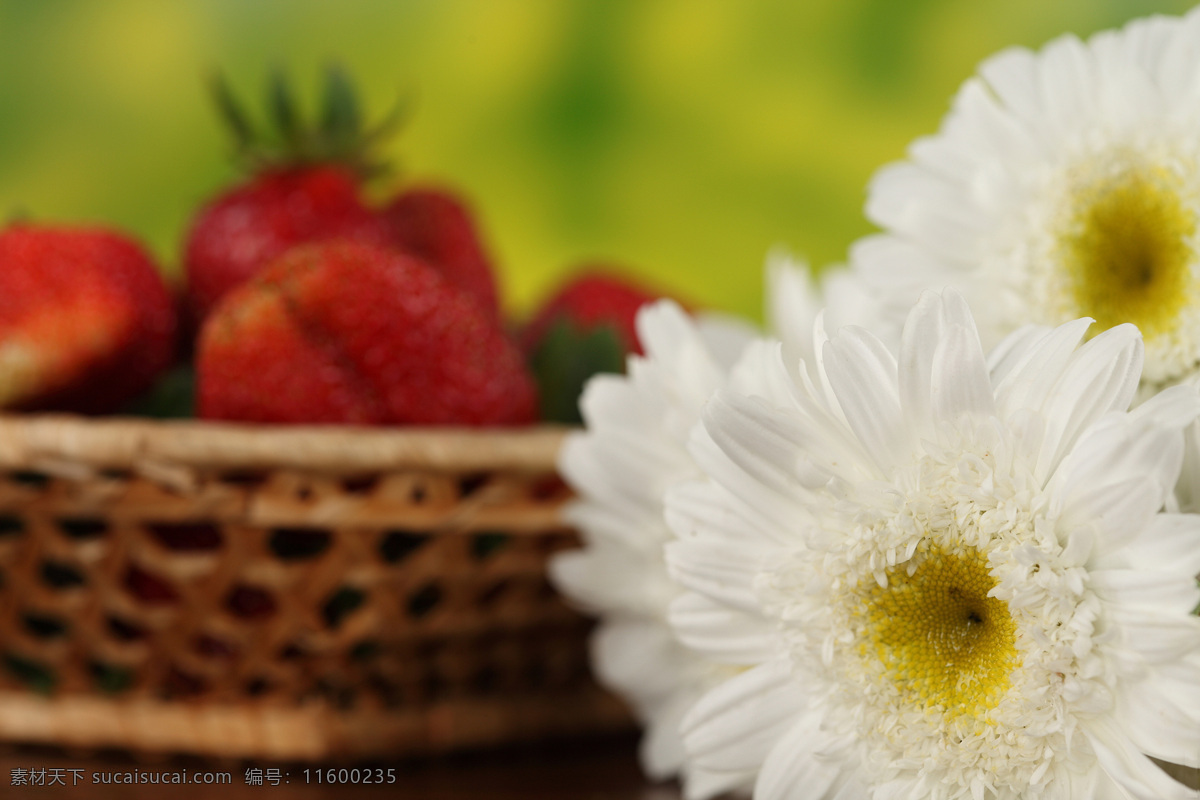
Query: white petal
x=604 y=579
x=735 y=725
x=792 y=303
x=701 y=784
x=720 y=633
x=1170 y=543
x=661 y=750
x=642 y=660
x=725 y=337
x=862 y=374
x=1027 y=365
x=959 y=383
x=704 y=512
x=1162 y=718
x=1151 y=590
x=799 y=769
x=724 y=574
x=1102 y=376
x=1156 y=636
x=1133 y=772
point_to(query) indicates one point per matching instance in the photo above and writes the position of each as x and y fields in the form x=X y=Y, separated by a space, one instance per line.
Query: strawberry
x=586 y=327
x=595 y=297
x=341 y=331
x=304 y=186
x=436 y=227
x=247 y=226
x=86 y=322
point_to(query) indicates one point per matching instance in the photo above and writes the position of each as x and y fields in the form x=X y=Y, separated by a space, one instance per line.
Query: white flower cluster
x=935 y=541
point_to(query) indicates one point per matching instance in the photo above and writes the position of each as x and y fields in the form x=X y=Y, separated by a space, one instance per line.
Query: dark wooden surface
x=604 y=769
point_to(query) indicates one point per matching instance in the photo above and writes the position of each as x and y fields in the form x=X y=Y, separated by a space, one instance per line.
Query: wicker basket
x=291 y=594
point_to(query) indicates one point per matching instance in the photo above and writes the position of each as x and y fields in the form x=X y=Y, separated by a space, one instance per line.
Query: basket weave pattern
x=284 y=593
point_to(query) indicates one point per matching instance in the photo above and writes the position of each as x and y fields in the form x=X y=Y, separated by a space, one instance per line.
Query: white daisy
x=634 y=447
x=953 y=577
x=1064 y=183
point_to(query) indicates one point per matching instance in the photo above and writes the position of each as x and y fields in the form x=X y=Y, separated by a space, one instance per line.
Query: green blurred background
x=680 y=138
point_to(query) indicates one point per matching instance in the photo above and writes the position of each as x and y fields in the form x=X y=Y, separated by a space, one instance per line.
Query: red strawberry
x=253 y=223
x=304 y=186
x=86 y=322
x=437 y=228
x=585 y=328
x=593 y=298
x=346 y=332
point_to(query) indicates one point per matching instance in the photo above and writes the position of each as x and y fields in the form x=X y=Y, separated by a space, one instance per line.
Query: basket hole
x=360 y=486
x=297 y=544
x=44 y=626
x=188 y=537
x=365 y=650
x=109 y=678
x=247 y=480
x=484 y=545
x=182 y=684
x=58 y=575
x=212 y=647
x=535 y=674
x=34 y=674
x=469 y=484
x=391 y=695
x=292 y=652
x=34 y=480
x=11 y=526
x=342 y=604
x=423 y=601
x=82 y=527
x=250 y=602
x=486 y=681
x=339 y=696
x=494 y=593
x=549 y=488
x=125 y=631
x=399 y=545
x=149 y=588
x=434 y=687
x=257 y=687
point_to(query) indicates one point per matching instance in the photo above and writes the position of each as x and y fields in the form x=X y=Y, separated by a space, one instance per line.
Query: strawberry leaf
x=563 y=362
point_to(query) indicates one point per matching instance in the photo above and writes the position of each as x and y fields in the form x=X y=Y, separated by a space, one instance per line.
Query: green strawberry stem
x=564 y=361
x=337 y=134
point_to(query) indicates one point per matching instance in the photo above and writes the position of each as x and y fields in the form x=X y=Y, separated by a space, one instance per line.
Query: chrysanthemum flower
x=1064 y=183
x=953 y=578
x=634 y=447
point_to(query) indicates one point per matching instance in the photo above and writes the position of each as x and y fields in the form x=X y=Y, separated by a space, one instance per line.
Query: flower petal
x=735 y=725
x=1136 y=774
x=720 y=633
x=862 y=374
x=1102 y=376
x=799 y=768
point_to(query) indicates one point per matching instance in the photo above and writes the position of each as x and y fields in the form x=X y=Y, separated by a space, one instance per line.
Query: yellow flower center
x=1128 y=248
x=942 y=641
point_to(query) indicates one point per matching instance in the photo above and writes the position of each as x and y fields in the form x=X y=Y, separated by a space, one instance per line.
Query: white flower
x=953 y=577
x=633 y=449
x=1064 y=183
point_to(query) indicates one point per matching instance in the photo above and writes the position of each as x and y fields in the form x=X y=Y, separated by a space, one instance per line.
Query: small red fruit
x=86 y=322
x=253 y=223
x=436 y=227
x=345 y=332
x=303 y=186
x=593 y=299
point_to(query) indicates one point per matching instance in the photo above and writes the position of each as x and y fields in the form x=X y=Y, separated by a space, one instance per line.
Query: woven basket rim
x=33 y=441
